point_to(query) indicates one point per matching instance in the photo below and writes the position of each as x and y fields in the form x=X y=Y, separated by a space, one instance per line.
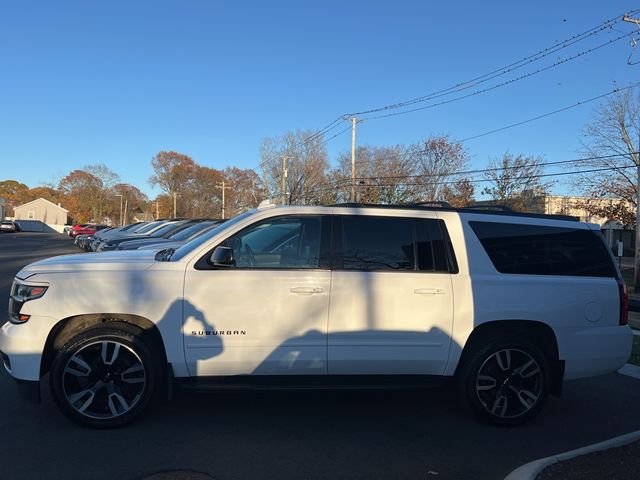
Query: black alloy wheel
x=507 y=381
x=104 y=377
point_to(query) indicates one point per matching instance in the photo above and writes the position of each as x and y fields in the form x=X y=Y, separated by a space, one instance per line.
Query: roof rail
x=474 y=210
x=434 y=203
x=497 y=207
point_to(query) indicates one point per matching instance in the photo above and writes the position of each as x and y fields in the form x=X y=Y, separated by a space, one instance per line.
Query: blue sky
x=115 y=82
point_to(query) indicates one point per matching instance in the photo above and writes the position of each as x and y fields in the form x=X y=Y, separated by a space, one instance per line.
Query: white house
x=41 y=215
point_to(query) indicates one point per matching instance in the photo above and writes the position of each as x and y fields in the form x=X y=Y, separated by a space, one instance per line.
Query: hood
x=130 y=260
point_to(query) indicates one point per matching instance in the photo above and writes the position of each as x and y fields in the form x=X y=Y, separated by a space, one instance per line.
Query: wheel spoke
x=527 y=398
x=89 y=393
x=117 y=404
x=500 y=406
x=503 y=357
x=131 y=374
x=533 y=369
x=486 y=382
x=109 y=357
x=81 y=369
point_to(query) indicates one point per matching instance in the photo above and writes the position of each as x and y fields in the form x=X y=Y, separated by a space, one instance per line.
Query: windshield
x=150 y=226
x=165 y=229
x=197 y=242
x=188 y=232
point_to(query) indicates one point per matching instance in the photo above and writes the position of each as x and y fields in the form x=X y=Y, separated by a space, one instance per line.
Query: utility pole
x=120 y=209
x=283 y=186
x=157 y=209
x=354 y=121
x=636 y=288
x=223 y=187
x=175 y=195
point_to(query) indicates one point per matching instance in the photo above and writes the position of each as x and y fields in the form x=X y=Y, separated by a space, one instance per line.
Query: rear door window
x=376 y=243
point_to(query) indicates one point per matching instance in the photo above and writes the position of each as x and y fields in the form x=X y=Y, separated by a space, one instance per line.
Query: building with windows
x=41 y=215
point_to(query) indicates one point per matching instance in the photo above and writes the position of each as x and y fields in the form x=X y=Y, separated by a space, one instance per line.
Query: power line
x=502 y=84
x=577 y=104
x=607 y=24
x=483 y=180
x=517 y=124
x=497 y=169
x=346 y=183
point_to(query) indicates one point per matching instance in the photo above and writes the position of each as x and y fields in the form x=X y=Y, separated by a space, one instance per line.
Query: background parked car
x=181 y=238
x=156 y=229
x=102 y=235
x=86 y=230
x=179 y=232
x=9 y=226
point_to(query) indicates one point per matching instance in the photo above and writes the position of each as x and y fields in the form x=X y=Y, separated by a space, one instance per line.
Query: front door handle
x=305 y=290
x=429 y=291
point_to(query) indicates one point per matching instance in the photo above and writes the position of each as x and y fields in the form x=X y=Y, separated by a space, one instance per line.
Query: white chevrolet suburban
x=507 y=305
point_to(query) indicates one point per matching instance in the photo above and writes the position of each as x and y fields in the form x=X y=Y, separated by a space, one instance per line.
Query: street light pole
x=354 y=121
x=175 y=196
x=283 y=181
x=223 y=187
x=636 y=160
x=120 y=209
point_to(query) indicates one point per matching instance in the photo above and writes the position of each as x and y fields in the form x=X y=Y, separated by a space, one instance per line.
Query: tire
x=506 y=381
x=105 y=376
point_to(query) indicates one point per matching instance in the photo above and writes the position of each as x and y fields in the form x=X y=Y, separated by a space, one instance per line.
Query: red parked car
x=85 y=229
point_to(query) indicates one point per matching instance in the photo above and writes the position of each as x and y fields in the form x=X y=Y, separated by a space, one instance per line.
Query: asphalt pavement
x=302 y=434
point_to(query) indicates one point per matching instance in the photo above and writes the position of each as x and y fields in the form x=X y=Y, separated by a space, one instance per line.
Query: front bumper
x=22 y=346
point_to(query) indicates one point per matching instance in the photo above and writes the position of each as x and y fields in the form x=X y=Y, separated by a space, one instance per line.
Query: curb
x=529 y=471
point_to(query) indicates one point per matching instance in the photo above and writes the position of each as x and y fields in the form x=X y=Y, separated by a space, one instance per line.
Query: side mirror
x=223 y=257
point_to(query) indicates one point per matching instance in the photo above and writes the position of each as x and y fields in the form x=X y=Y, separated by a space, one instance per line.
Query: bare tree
x=612 y=142
x=436 y=161
x=306 y=166
x=246 y=190
x=383 y=175
x=400 y=174
x=516 y=182
x=459 y=194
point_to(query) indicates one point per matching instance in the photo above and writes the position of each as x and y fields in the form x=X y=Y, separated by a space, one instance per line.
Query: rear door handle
x=305 y=290
x=429 y=291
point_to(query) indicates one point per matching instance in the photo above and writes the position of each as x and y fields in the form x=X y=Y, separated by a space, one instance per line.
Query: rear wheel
x=105 y=376
x=507 y=381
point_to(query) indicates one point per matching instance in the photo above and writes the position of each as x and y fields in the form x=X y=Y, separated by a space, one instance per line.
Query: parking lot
x=301 y=434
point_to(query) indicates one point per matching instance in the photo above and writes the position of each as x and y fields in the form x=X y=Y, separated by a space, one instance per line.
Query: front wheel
x=507 y=381
x=104 y=377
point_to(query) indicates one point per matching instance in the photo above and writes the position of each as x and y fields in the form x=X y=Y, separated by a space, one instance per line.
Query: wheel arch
x=69 y=327
x=537 y=332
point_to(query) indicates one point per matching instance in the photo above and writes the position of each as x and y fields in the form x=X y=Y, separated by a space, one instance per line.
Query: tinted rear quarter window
x=544 y=250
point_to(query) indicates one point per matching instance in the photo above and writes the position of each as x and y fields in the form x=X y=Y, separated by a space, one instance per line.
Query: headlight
x=29 y=292
x=21 y=293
